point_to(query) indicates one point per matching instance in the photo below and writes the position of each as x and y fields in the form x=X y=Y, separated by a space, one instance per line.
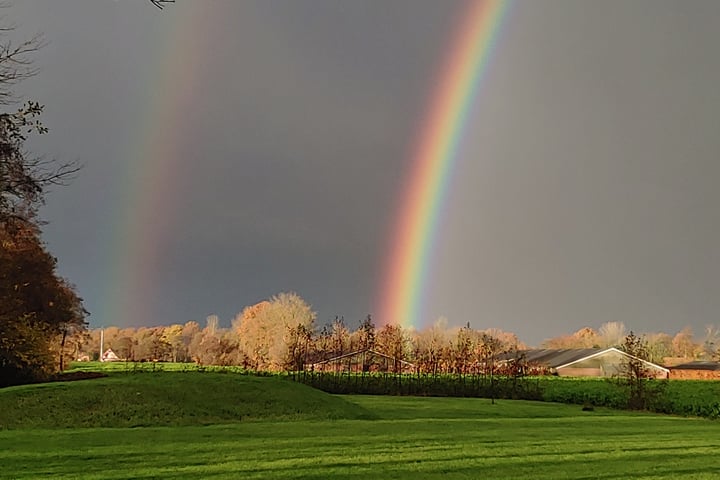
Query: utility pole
x=102 y=339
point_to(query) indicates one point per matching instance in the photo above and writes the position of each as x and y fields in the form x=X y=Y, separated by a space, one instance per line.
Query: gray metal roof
x=555 y=357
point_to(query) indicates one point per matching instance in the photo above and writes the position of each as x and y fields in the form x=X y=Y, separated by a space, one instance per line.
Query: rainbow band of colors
x=149 y=184
x=405 y=280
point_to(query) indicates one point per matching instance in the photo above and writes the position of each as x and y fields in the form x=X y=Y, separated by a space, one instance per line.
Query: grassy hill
x=167 y=399
x=409 y=438
x=227 y=426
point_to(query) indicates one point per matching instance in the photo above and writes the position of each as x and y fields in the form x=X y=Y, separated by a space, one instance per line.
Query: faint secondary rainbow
x=150 y=181
x=405 y=278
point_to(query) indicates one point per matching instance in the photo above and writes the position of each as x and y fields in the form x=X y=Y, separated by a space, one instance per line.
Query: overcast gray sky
x=585 y=191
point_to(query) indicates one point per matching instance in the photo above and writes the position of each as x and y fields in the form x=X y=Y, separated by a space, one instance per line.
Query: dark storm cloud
x=592 y=169
x=300 y=132
x=585 y=192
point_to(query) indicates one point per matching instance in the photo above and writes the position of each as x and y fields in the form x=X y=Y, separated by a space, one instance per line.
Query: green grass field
x=297 y=432
x=167 y=399
x=144 y=366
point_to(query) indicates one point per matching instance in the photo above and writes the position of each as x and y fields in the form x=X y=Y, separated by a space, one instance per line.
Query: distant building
x=697 y=370
x=109 y=356
x=584 y=362
x=367 y=360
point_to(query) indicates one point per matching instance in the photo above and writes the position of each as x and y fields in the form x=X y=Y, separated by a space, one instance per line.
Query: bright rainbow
x=404 y=285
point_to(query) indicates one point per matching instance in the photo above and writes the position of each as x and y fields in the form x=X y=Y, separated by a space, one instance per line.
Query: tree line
x=661 y=347
x=282 y=334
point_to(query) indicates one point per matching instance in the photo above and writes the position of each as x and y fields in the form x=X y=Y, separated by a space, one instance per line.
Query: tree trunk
x=62 y=349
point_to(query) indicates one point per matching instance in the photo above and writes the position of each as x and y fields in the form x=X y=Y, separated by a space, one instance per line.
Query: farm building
x=697 y=370
x=109 y=356
x=584 y=362
x=363 y=361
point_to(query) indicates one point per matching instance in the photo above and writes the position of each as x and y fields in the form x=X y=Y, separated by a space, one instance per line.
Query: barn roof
x=613 y=349
x=553 y=358
x=698 y=365
x=559 y=358
x=360 y=352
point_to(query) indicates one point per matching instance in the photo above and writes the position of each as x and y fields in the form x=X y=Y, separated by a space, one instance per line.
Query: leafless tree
x=490 y=349
x=611 y=334
x=711 y=342
x=635 y=376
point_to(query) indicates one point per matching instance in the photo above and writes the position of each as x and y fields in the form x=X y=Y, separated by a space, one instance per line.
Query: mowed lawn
x=393 y=437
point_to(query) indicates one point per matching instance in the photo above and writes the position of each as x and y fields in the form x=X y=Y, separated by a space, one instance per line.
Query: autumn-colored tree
x=254 y=334
x=172 y=337
x=507 y=339
x=659 y=347
x=208 y=349
x=124 y=346
x=298 y=341
x=76 y=345
x=364 y=337
x=339 y=337
x=431 y=345
x=212 y=345
x=683 y=344
x=296 y=319
x=462 y=352
x=392 y=341
x=586 y=337
x=190 y=330
x=322 y=345
x=38 y=309
x=150 y=346
x=268 y=333
x=559 y=342
x=230 y=351
x=490 y=348
x=219 y=347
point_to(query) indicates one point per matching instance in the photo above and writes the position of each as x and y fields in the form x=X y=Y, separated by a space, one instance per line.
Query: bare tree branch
x=24 y=179
x=161 y=3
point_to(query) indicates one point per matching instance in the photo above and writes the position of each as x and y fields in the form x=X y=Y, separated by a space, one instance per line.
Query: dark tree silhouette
x=38 y=309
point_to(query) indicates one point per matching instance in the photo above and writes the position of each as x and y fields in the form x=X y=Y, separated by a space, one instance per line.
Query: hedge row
x=699 y=398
